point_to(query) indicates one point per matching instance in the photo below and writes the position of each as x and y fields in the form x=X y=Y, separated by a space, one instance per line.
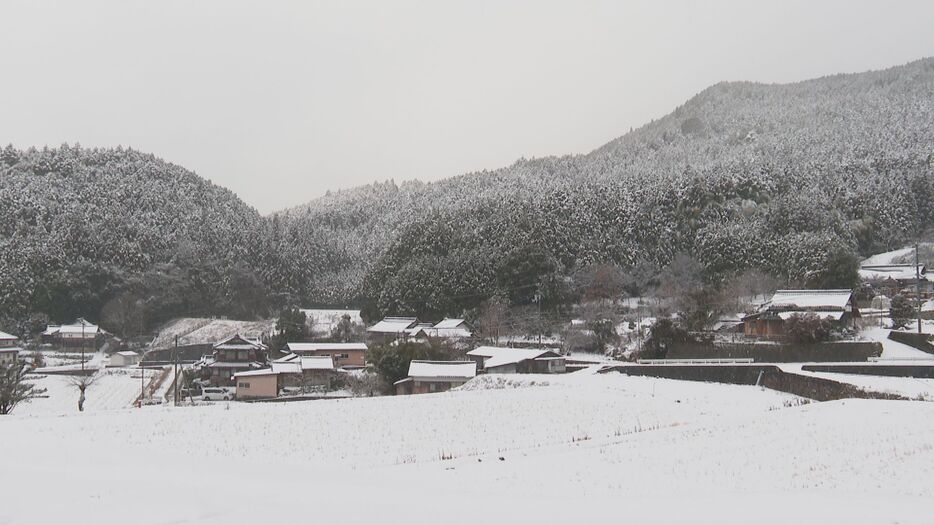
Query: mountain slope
x=743 y=175
x=77 y=225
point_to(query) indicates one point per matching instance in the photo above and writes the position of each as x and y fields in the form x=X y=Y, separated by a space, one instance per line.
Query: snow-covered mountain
x=743 y=175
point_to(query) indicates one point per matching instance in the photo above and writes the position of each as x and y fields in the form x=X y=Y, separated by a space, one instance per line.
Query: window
x=243 y=385
x=242 y=355
x=345 y=356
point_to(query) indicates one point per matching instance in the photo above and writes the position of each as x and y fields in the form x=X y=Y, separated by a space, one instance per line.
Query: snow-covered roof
x=287 y=367
x=232 y=364
x=324 y=347
x=835 y=315
x=7 y=337
x=251 y=373
x=824 y=300
x=10 y=349
x=443 y=369
x=78 y=327
x=294 y=363
x=450 y=323
x=899 y=272
x=393 y=325
x=498 y=356
x=317 y=362
x=238 y=342
x=128 y=353
x=424 y=328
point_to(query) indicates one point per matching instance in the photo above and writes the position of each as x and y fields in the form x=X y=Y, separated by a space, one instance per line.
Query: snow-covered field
x=521 y=449
x=115 y=388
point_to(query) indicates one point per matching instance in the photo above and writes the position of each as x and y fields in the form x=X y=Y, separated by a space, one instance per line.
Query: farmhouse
x=306 y=371
x=391 y=329
x=446 y=329
x=504 y=360
x=435 y=376
x=80 y=334
x=891 y=279
x=231 y=356
x=9 y=349
x=836 y=305
x=125 y=358
x=345 y=355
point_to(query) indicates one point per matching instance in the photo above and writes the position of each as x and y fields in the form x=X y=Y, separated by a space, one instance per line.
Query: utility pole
x=918 y=285
x=175 y=389
x=82 y=348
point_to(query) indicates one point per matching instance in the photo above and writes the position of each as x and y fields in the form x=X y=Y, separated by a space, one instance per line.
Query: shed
x=124 y=358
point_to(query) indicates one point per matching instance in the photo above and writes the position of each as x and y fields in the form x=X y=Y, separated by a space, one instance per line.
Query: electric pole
x=918 y=285
x=175 y=389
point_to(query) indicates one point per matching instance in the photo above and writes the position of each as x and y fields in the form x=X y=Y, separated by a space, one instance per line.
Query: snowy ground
x=116 y=388
x=566 y=449
x=893 y=350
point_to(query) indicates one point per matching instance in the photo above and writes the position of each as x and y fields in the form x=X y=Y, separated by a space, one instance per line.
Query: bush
x=664 y=332
x=808 y=328
x=901 y=311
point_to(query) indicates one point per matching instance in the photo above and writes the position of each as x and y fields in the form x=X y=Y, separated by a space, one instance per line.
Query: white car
x=216 y=394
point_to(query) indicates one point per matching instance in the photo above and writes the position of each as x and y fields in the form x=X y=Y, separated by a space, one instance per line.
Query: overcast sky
x=282 y=101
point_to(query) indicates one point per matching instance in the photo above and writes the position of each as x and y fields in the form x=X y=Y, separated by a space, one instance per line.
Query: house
x=9 y=349
x=80 y=334
x=309 y=372
x=836 y=305
x=435 y=376
x=391 y=329
x=125 y=358
x=345 y=355
x=231 y=356
x=258 y=384
x=446 y=329
x=419 y=333
x=505 y=360
x=9 y=355
x=892 y=279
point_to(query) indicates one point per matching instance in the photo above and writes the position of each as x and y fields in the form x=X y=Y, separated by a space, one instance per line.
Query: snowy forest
x=779 y=179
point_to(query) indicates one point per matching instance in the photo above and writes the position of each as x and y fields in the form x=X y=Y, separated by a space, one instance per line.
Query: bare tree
x=14 y=389
x=492 y=319
x=82 y=383
x=123 y=314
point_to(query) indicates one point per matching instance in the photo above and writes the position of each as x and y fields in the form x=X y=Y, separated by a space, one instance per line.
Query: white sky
x=281 y=101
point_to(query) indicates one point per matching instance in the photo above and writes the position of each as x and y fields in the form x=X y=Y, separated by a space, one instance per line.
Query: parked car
x=216 y=394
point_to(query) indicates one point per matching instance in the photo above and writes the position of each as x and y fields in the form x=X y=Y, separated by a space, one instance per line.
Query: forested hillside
x=784 y=179
x=86 y=230
x=780 y=178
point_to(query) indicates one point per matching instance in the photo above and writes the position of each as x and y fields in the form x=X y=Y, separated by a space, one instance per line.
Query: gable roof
x=128 y=353
x=450 y=323
x=393 y=325
x=294 y=363
x=7 y=337
x=824 y=300
x=499 y=356
x=80 y=326
x=324 y=347
x=442 y=369
x=899 y=272
x=238 y=342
